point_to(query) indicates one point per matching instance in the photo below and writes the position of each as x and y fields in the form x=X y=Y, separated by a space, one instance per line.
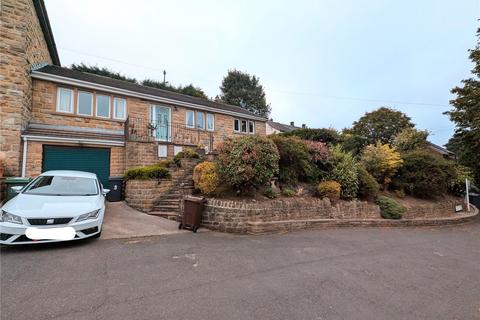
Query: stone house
x=56 y=118
x=277 y=127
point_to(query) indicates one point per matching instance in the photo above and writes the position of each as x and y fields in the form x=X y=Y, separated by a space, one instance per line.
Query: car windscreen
x=63 y=186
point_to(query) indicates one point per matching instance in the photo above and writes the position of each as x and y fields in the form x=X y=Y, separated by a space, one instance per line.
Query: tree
x=381 y=125
x=102 y=71
x=410 y=139
x=189 y=90
x=465 y=114
x=242 y=89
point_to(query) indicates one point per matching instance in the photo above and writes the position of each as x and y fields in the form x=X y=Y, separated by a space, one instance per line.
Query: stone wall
x=22 y=45
x=300 y=213
x=144 y=194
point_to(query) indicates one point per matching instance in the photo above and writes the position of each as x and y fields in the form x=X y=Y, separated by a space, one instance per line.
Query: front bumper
x=12 y=233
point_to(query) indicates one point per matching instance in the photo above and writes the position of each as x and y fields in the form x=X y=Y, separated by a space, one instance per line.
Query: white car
x=55 y=206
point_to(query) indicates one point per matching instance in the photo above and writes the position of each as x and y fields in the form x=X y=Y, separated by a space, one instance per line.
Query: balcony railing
x=144 y=130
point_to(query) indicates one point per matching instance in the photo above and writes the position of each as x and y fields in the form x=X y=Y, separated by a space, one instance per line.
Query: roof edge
x=42 y=15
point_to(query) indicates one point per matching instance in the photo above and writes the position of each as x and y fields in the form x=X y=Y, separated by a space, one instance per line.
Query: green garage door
x=95 y=160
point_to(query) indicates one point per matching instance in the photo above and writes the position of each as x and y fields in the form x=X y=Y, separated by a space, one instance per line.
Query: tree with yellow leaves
x=381 y=161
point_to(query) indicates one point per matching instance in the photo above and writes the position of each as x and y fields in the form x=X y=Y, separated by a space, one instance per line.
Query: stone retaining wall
x=300 y=213
x=144 y=194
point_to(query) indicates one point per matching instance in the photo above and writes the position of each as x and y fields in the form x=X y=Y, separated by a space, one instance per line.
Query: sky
x=322 y=63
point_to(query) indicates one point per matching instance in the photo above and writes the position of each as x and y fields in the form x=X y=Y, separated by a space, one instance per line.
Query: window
x=210 y=122
x=65 y=100
x=236 y=125
x=119 y=108
x=63 y=186
x=190 y=119
x=200 y=120
x=103 y=106
x=85 y=103
x=251 y=127
x=244 y=126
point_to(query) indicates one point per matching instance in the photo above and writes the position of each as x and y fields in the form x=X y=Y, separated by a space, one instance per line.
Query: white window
x=251 y=127
x=103 y=106
x=162 y=151
x=236 y=125
x=177 y=150
x=210 y=122
x=244 y=126
x=85 y=103
x=200 y=120
x=190 y=119
x=65 y=100
x=119 y=108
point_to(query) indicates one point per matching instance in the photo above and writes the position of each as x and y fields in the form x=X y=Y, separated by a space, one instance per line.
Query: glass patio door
x=161 y=123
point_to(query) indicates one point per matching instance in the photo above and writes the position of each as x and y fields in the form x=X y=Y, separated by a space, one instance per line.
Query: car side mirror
x=17 y=189
x=105 y=191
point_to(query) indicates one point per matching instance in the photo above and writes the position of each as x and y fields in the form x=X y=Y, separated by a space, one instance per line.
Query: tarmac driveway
x=121 y=221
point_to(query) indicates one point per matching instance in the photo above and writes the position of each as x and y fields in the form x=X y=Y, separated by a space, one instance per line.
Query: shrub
x=288 y=192
x=424 y=175
x=457 y=183
x=318 y=150
x=270 y=193
x=147 y=173
x=329 y=189
x=295 y=162
x=368 y=187
x=205 y=177
x=247 y=162
x=185 y=154
x=325 y=135
x=344 y=171
x=381 y=161
x=410 y=139
x=389 y=208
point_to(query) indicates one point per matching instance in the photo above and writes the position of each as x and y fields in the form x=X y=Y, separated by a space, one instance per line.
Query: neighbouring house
x=277 y=127
x=58 y=118
x=447 y=154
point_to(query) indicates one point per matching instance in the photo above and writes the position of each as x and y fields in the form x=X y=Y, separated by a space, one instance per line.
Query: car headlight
x=89 y=215
x=9 y=217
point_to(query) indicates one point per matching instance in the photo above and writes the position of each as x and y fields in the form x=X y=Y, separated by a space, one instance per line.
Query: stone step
x=163 y=214
x=166 y=208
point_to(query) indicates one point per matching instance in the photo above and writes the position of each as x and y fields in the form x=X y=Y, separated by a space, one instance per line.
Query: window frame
x=92 y=96
x=235 y=122
x=246 y=125
x=109 y=106
x=193 y=119
x=115 y=99
x=213 y=121
x=72 y=102
x=251 y=124
x=203 y=120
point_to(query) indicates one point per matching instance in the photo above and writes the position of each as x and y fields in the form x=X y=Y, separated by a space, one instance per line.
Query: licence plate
x=66 y=233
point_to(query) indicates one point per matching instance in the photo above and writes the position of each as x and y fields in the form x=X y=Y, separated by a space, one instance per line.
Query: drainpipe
x=24 y=161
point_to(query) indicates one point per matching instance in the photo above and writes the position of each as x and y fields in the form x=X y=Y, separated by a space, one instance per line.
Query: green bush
x=410 y=139
x=147 y=173
x=325 y=135
x=457 y=183
x=295 y=162
x=247 y=162
x=344 y=171
x=368 y=187
x=270 y=193
x=185 y=154
x=205 y=177
x=424 y=175
x=329 y=189
x=288 y=192
x=389 y=208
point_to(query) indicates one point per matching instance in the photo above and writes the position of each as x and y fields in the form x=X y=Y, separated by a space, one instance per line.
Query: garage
x=95 y=160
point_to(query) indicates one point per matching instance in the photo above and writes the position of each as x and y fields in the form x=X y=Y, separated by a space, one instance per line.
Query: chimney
x=303 y=125
x=292 y=124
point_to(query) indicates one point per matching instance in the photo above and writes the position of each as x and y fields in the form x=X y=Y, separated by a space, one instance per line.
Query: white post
x=467 y=194
x=24 y=159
